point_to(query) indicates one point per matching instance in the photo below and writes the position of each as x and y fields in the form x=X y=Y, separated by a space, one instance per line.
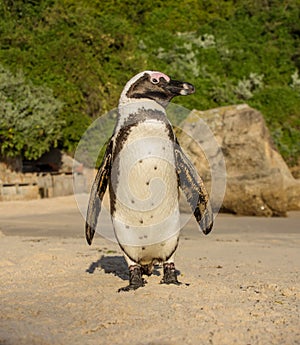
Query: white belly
x=146 y=195
x=149 y=254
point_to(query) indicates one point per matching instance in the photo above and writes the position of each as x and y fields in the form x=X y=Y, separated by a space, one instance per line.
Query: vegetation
x=234 y=51
x=29 y=125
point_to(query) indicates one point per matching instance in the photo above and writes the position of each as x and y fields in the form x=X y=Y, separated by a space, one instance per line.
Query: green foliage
x=28 y=117
x=295 y=81
x=281 y=108
x=232 y=50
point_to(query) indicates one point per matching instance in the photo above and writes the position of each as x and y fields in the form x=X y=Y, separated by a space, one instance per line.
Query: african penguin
x=144 y=166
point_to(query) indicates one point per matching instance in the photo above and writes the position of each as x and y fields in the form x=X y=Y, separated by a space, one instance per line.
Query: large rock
x=258 y=181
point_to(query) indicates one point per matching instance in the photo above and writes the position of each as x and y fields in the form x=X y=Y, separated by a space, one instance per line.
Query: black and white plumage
x=144 y=166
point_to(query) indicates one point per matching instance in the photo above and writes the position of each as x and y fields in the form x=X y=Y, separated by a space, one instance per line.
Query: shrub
x=29 y=123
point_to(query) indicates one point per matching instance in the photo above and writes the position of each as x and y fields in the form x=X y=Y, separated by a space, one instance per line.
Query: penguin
x=144 y=169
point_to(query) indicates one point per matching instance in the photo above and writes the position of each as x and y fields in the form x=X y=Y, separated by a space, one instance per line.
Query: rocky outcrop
x=258 y=181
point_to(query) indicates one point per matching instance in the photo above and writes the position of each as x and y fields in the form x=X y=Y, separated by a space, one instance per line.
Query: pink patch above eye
x=158 y=75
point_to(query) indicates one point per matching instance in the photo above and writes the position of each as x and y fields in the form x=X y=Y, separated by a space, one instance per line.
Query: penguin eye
x=154 y=81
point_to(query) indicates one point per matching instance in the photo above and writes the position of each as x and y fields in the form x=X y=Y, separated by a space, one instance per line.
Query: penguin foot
x=170 y=275
x=135 y=279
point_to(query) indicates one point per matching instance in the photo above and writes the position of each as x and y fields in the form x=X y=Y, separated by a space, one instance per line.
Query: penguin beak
x=177 y=88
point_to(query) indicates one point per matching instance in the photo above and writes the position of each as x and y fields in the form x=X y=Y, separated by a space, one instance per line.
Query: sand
x=240 y=284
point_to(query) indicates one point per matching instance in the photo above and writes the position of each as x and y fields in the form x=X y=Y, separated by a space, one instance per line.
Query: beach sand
x=240 y=283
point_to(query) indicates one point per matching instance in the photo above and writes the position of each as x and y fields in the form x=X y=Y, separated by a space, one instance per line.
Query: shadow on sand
x=111 y=264
x=115 y=265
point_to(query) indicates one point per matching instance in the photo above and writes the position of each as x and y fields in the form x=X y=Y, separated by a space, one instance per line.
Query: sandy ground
x=241 y=283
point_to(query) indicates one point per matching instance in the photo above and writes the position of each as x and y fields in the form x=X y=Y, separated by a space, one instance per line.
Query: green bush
x=233 y=51
x=29 y=123
x=281 y=108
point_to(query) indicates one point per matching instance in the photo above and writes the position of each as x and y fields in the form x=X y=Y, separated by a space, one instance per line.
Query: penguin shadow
x=115 y=265
x=112 y=265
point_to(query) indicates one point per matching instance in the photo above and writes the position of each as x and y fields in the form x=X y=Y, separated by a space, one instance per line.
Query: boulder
x=258 y=181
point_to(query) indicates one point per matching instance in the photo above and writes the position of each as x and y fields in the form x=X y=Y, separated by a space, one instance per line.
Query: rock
x=258 y=181
x=295 y=170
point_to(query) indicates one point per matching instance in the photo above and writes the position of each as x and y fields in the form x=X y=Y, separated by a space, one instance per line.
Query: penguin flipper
x=194 y=190
x=97 y=192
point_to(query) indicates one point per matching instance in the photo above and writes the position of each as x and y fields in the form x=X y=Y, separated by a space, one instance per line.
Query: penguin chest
x=144 y=186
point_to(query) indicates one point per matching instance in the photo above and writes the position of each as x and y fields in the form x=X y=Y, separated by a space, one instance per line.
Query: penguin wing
x=194 y=190
x=97 y=192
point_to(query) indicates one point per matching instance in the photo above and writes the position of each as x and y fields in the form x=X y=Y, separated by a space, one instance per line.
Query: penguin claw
x=170 y=281
x=131 y=287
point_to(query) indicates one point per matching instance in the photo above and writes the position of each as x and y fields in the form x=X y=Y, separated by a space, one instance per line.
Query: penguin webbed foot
x=135 y=279
x=170 y=274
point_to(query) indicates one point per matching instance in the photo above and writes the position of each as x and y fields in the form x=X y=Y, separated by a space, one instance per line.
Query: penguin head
x=155 y=86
